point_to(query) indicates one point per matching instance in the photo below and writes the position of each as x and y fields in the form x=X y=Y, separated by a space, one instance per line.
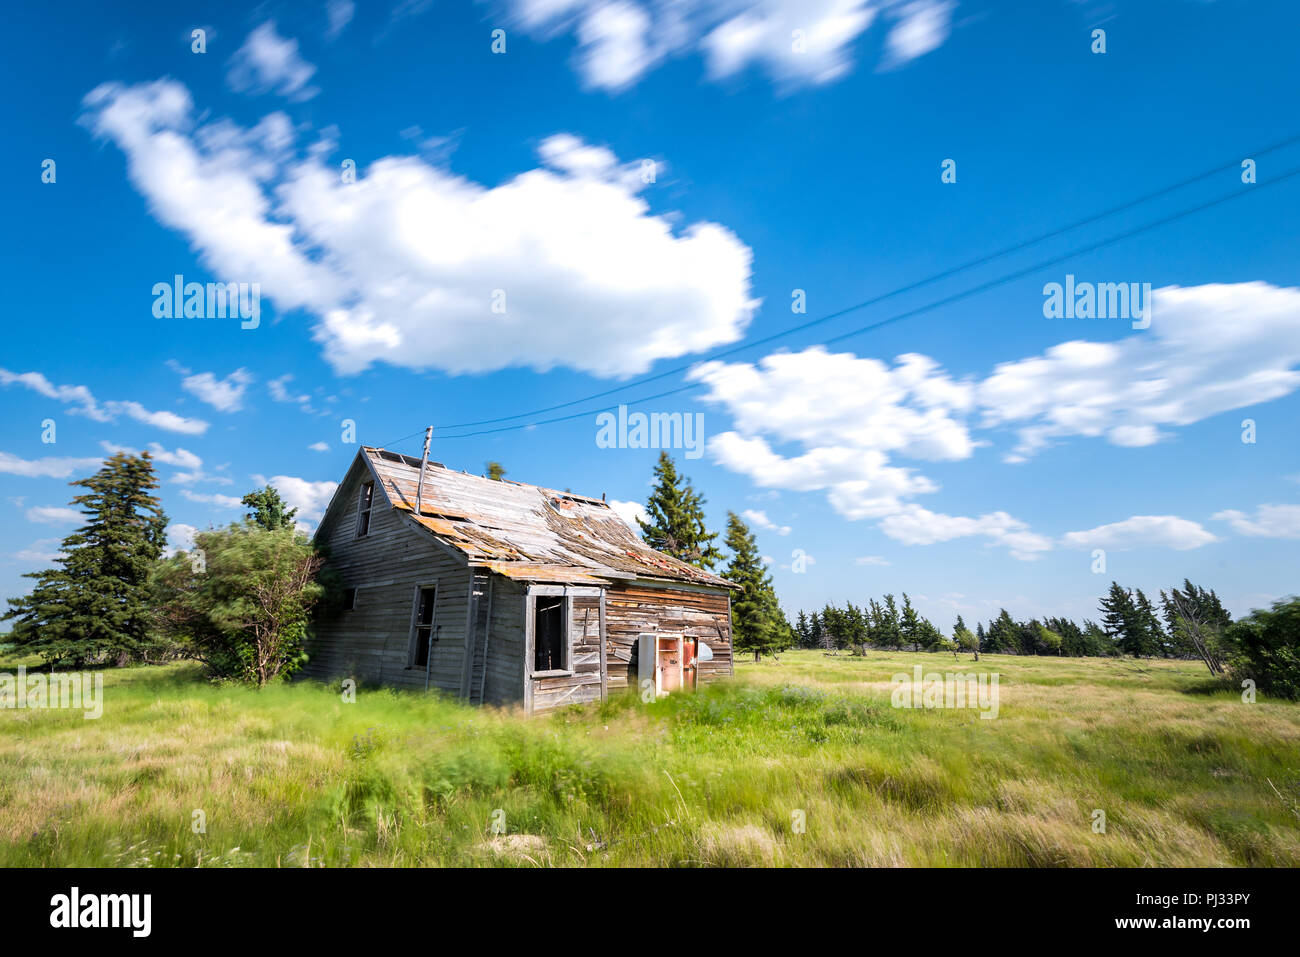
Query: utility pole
x=424 y=464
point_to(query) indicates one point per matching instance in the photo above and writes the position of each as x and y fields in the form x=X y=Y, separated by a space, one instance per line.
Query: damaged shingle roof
x=525 y=531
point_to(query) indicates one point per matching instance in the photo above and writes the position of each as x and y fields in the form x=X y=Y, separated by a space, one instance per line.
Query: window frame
x=566 y=625
x=365 y=507
x=412 y=646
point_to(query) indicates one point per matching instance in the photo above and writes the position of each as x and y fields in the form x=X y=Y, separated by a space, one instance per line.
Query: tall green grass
x=1185 y=773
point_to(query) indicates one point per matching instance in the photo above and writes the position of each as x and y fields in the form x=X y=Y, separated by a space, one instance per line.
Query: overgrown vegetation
x=240 y=601
x=290 y=775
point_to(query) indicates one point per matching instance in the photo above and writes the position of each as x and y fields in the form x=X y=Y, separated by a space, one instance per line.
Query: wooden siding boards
x=637 y=608
x=373 y=641
x=504 y=671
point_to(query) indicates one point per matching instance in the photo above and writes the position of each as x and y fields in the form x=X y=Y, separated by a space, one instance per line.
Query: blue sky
x=502 y=250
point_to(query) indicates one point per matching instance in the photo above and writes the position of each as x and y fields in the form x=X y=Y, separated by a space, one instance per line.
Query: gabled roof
x=525 y=531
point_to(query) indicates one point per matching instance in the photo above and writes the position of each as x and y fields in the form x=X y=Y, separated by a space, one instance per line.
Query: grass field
x=292 y=776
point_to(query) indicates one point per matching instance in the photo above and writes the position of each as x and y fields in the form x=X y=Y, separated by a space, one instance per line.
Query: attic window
x=363 y=508
x=550 y=638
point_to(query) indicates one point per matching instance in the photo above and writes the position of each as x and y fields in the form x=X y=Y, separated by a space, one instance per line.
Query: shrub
x=1265 y=647
x=241 y=601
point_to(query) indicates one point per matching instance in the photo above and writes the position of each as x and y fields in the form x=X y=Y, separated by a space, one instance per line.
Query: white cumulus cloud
x=1143 y=531
x=561 y=265
x=1269 y=521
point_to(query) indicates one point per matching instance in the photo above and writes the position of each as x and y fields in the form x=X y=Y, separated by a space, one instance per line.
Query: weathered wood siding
x=373 y=641
x=637 y=608
x=504 y=681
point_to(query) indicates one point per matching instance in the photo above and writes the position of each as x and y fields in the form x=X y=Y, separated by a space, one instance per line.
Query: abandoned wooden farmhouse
x=505 y=593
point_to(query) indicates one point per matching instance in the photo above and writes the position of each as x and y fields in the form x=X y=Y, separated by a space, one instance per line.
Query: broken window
x=363 y=508
x=422 y=627
x=550 y=644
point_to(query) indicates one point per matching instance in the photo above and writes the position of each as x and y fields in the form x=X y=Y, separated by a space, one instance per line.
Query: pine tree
x=801 y=628
x=269 y=510
x=94 y=606
x=1124 y=622
x=758 y=625
x=888 y=629
x=1197 y=621
x=909 y=625
x=1001 y=637
x=676 y=523
x=495 y=471
x=1153 y=637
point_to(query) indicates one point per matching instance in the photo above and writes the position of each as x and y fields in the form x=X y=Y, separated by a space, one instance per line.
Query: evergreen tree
x=495 y=471
x=1196 y=620
x=1128 y=621
x=856 y=630
x=269 y=510
x=909 y=625
x=1117 y=614
x=94 y=607
x=757 y=622
x=676 y=523
x=1001 y=637
x=801 y=627
x=888 y=627
x=1153 y=637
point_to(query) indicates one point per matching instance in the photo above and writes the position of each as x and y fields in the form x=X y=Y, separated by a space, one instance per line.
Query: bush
x=241 y=601
x=1265 y=647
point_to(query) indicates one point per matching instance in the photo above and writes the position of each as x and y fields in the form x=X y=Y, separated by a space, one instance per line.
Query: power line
x=928 y=280
x=899 y=317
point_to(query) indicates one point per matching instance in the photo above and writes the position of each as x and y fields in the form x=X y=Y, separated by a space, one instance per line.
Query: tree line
x=1187 y=622
x=1129 y=625
x=242 y=598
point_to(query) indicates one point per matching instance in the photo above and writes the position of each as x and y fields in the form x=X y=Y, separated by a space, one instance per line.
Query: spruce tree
x=1153 y=638
x=816 y=631
x=94 y=607
x=270 y=511
x=676 y=523
x=1127 y=622
x=757 y=622
x=909 y=625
